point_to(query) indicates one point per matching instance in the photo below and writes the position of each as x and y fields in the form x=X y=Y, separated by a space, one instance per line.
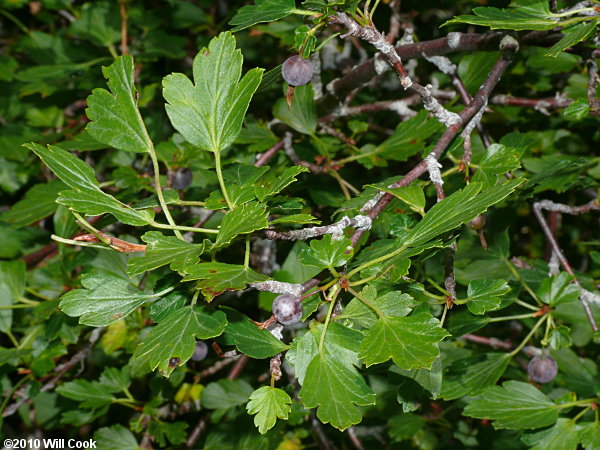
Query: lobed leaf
x=513 y=405
x=115 y=117
x=209 y=112
x=269 y=404
x=171 y=343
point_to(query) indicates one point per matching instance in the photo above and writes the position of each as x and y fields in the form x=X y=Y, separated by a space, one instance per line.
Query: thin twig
x=537 y=210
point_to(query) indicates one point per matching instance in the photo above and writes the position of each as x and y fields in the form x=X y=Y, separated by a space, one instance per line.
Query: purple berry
x=542 y=369
x=200 y=351
x=297 y=71
x=477 y=223
x=287 y=309
x=181 y=178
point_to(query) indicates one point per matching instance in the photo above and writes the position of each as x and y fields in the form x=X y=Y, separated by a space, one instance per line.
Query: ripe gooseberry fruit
x=181 y=178
x=287 y=309
x=297 y=71
x=200 y=351
x=542 y=369
x=477 y=223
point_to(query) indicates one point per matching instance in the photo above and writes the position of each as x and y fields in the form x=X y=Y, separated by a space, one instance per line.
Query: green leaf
x=405 y=426
x=558 y=289
x=468 y=376
x=562 y=436
x=458 y=208
x=163 y=250
x=412 y=195
x=12 y=285
x=116 y=437
x=105 y=299
x=86 y=195
x=578 y=110
x=249 y=338
x=303 y=219
x=573 y=36
x=171 y=343
x=39 y=202
x=115 y=380
x=243 y=219
x=301 y=115
x=226 y=394
x=209 y=113
x=217 y=277
x=410 y=341
x=94 y=203
x=513 y=405
x=589 y=435
x=115 y=118
x=341 y=342
x=483 y=295
x=98 y=22
x=498 y=159
x=326 y=252
x=262 y=11
x=269 y=404
x=430 y=379
x=391 y=304
x=90 y=394
x=69 y=168
x=408 y=138
x=529 y=15
x=335 y=389
x=274 y=182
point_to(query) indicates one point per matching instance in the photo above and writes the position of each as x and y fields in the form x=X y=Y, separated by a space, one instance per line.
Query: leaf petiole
x=220 y=177
x=335 y=290
x=159 y=192
x=529 y=336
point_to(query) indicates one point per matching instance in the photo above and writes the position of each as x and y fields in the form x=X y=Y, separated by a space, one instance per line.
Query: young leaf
x=209 y=112
x=392 y=304
x=326 y=252
x=483 y=295
x=171 y=343
x=249 y=338
x=105 y=299
x=469 y=376
x=262 y=11
x=335 y=389
x=243 y=219
x=269 y=404
x=513 y=405
x=457 y=209
x=115 y=118
x=301 y=115
x=410 y=341
x=573 y=36
x=162 y=250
